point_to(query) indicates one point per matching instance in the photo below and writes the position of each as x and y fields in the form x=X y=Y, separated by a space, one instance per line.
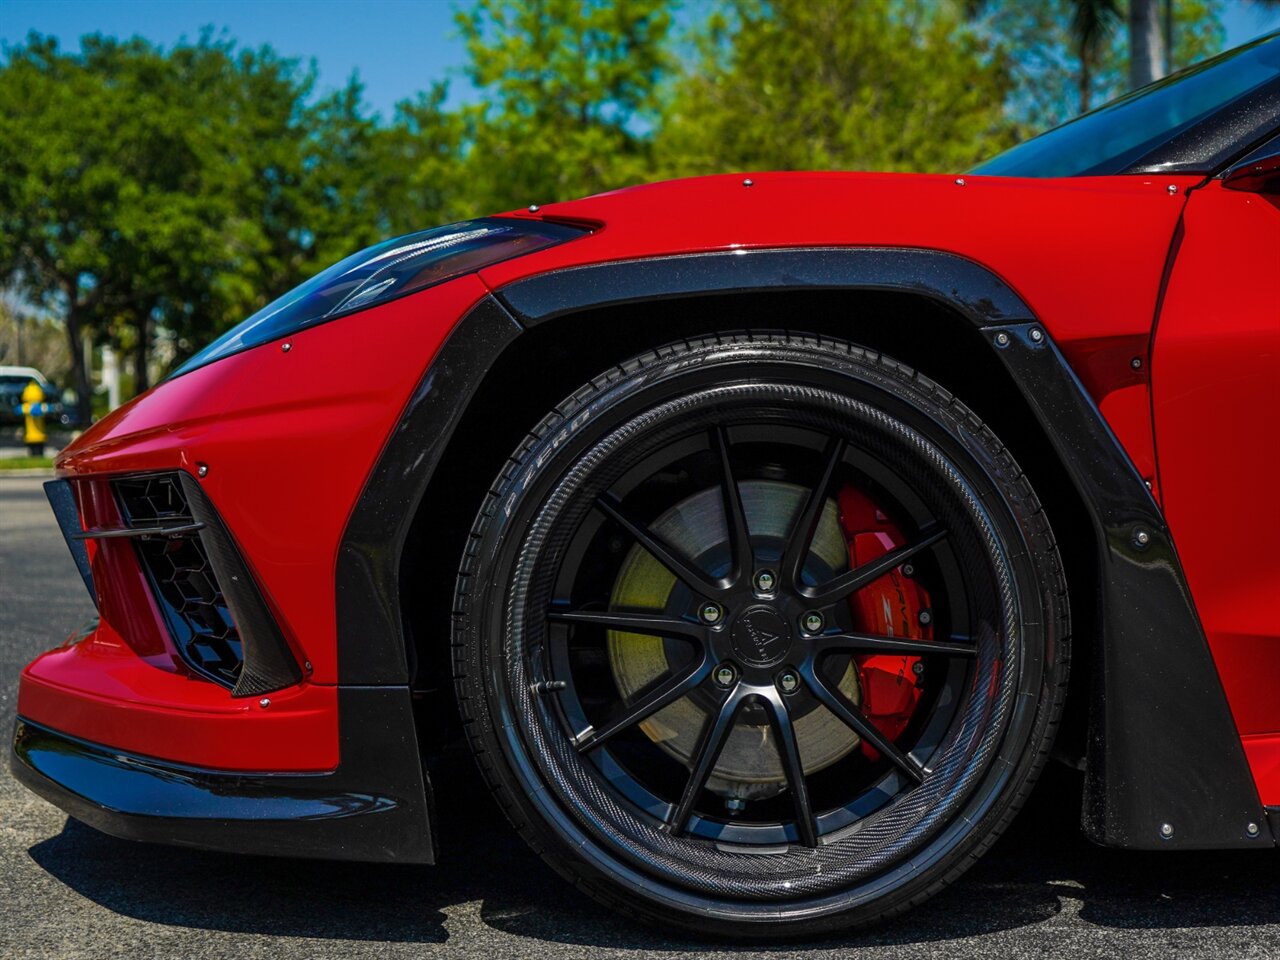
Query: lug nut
x=710 y=613
x=908 y=570
x=766 y=581
x=917 y=668
x=735 y=805
x=725 y=675
x=788 y=682
x=926 y=618
x=812 y=621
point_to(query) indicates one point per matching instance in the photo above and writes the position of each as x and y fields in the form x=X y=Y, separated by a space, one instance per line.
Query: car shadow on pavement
x=257 y=895
x=1042 y=867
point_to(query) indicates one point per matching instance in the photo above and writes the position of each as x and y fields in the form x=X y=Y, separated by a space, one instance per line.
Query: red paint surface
x=100 y=690
x=1263 y=753
x=1214 y=369
x=1086 y=254
x=290 y=438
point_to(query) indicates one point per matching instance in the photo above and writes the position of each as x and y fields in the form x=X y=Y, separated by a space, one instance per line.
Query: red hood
x=1085 y=253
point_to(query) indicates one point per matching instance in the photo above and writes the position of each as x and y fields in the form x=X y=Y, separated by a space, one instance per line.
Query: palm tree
x=1092 y=24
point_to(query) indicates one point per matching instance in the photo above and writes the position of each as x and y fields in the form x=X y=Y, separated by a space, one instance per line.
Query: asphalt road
x=68 y=891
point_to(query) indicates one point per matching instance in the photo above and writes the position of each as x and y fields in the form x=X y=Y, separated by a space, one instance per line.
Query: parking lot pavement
x=68 y=891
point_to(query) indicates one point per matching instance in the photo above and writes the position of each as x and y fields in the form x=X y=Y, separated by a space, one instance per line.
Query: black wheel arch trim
x=956 y=281
x=1163 y=748
x=375 y=806
x=371 y=631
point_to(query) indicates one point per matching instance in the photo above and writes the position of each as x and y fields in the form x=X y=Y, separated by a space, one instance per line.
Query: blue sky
x=397 y=46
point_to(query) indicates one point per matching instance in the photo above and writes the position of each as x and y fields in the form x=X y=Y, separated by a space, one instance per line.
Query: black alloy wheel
x=671 y=654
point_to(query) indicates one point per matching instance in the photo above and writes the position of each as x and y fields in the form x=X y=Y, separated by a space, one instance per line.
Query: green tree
x=1093 y=24
x=571 y=96
x=816 y=84
x=146 y=191
x=93 y=171
x=417 y=160
x=1065 y=58
x=294 y=180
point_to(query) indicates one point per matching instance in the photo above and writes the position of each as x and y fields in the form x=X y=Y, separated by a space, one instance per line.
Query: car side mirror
x=1255 y=176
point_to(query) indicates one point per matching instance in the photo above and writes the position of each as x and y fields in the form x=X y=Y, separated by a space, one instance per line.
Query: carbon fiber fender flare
x=1163 y=748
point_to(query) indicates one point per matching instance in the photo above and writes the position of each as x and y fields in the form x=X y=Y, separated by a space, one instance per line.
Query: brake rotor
x=749 y=765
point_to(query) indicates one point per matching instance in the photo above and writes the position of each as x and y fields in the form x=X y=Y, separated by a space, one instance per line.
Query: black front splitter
x=373 y=807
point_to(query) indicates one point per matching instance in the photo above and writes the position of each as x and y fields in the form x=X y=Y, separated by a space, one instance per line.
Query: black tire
x=547 y=521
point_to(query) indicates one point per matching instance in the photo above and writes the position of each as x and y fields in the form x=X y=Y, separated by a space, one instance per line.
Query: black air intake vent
x=212 y=606
x=182 y=580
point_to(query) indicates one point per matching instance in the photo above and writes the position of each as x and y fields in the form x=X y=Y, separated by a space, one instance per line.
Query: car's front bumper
x=120 y=729
x=374 y=806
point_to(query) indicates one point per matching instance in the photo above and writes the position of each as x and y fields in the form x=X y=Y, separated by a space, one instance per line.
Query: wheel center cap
x=761 y=636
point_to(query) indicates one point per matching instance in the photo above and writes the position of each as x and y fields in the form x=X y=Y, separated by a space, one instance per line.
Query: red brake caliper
x=889 y=607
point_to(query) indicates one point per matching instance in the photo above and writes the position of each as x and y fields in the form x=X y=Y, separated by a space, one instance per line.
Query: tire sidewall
x=486 y=604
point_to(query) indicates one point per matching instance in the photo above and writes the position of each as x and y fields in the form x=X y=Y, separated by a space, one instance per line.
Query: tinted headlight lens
x=386 y=271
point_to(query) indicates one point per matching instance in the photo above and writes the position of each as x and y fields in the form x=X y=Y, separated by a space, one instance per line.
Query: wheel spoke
x=651 y=624
x=662 y=551
x=835 y=590
x=712 y=740
x=734 y=513
x=870 y=643
x=789 y=754
x=853 y=718
x=667 y=692
x=796 y=550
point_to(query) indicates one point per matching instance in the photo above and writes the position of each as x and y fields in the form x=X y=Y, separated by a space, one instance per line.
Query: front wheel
x=761 y=635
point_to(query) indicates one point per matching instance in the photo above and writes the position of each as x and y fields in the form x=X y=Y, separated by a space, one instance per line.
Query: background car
x=750 y=524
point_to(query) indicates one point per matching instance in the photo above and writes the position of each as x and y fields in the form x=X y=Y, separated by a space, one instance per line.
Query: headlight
x=385 y=271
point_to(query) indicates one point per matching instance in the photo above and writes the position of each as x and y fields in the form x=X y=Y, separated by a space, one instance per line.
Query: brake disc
x=749 y=766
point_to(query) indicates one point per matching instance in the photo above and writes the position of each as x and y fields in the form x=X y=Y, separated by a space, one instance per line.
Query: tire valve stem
x=547 y=686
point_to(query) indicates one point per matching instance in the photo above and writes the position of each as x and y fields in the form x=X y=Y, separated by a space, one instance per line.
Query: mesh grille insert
x=181 y=577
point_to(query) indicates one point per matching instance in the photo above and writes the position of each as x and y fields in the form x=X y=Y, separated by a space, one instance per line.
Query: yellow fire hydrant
x=33 y=411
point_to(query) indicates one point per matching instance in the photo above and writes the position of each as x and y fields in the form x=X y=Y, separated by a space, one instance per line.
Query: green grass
x=26 y=463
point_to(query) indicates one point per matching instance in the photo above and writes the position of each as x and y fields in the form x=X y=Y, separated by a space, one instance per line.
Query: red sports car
x=744 y=525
